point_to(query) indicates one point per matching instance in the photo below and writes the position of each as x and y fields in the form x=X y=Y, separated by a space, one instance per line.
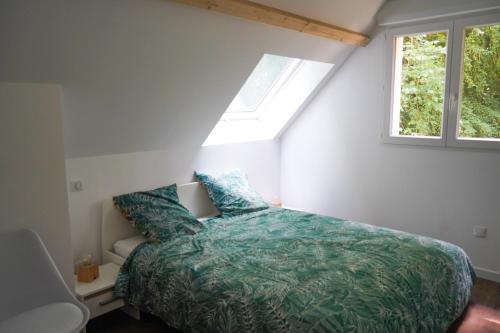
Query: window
x=272 y=94
x=475 y=83
x=264 y=77
x=444 y=83
x=480 y=83
x=419 y=83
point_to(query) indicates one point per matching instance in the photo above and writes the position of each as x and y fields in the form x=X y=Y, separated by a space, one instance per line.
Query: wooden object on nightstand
x=87 y=273
x=98 y=294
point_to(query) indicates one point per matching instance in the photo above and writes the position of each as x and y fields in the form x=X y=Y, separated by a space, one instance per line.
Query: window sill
x=460 y=144
x=415 y=140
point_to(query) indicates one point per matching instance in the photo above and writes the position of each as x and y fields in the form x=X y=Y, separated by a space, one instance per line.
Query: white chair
x=33 y=294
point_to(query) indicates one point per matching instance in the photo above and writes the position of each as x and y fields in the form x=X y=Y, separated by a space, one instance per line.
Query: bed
x=280 y=270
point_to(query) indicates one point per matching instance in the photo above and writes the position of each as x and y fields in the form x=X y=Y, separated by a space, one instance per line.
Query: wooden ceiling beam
x=273 y=16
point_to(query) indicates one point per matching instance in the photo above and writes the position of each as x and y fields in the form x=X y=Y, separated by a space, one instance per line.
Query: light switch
x=479 y=231
x=76 y=186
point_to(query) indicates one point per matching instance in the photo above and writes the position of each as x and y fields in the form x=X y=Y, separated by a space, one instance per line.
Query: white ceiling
x=357 y=15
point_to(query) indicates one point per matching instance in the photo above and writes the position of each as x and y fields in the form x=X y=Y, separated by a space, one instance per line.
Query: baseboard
x=487 y=274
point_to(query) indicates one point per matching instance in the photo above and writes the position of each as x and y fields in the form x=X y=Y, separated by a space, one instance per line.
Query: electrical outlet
x=76 y=186
x=479 y=231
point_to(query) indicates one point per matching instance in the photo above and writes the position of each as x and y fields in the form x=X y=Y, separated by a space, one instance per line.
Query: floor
x=482 y=316
x=117 y=321
x=483 y=313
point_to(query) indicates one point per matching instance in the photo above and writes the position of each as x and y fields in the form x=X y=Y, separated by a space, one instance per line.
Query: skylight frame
x=288 y=96
x=291 y=68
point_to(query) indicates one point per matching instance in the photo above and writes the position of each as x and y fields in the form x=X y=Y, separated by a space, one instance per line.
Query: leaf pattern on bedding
x=157 y=213
x=278 y=270
x=231 y=193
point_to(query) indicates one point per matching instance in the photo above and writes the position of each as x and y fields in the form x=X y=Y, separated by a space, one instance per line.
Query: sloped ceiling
x=141 y=75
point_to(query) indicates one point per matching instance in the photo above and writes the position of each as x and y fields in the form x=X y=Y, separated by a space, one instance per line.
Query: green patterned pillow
x=157 y=213
x=231 y=193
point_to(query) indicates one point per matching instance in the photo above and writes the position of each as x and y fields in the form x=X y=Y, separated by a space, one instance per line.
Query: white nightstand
x=98 y=294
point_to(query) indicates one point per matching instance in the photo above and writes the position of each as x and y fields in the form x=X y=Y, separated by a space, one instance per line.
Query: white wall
x=105 y=176
x=32 y=174
x=334 y=163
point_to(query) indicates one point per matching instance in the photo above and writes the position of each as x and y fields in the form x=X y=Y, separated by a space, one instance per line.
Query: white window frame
x=453 y=140
x=391 y=100
x=283 y=78
x=449 y=126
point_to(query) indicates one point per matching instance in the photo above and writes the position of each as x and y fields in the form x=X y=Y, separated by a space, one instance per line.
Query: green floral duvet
x=278 y=270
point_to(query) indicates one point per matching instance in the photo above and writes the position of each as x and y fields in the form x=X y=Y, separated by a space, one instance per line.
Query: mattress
x=125 y=246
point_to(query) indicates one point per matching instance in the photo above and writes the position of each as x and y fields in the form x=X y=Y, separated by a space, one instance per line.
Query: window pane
x=480 y=95
x=419 y=84
x=259 y=83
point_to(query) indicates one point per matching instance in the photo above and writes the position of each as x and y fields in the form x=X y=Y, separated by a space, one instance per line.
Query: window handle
x=453 y=101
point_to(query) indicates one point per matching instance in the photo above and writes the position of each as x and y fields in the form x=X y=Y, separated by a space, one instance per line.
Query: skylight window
x=259 y=84
x=275 y=90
